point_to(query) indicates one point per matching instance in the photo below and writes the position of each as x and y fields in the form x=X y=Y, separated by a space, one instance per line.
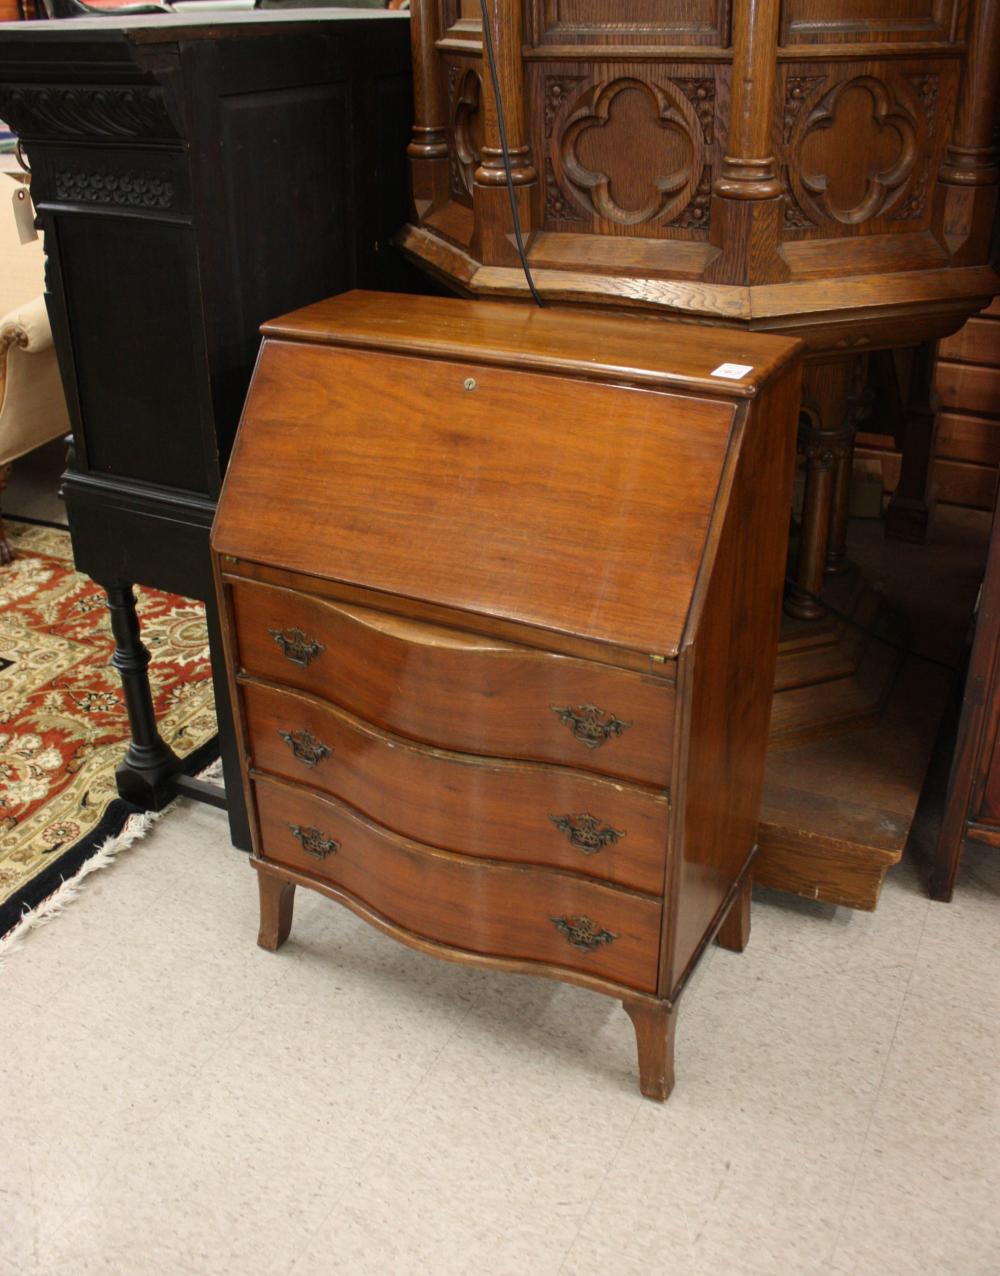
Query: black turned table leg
x=145 y=775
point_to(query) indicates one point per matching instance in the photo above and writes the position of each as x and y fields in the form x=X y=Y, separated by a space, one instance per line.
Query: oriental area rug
x=63 y=726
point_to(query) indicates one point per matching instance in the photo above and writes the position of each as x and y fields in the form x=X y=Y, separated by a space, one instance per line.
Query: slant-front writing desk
x=501 y=591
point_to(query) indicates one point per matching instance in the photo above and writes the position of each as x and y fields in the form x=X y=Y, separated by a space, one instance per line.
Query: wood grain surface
x=474 y=695
x=476 y=806
x=618 y=348
x=584 y=514
x=429 y=892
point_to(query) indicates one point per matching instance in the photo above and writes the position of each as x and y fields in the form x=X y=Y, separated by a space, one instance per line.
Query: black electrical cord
x=866 y=629
x=505 y=148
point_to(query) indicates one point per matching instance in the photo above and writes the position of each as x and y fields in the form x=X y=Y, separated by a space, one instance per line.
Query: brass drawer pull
x=314 y=843
x=582 y=933
x=296 y=647
x=587 y=832
x=586 y=723
x=306 y=747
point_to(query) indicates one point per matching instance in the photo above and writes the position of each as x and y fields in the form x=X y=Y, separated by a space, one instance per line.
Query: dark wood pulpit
x=193 y=177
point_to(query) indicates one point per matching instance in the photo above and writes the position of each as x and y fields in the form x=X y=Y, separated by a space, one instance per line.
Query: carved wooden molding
x=558 y=207
x=119 y=190
x=50 y=111
x=465 y=92
x=669 y=160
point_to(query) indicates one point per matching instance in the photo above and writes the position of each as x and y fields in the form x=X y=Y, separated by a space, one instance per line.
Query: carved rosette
x=557 y=207
x=628 y=151
x=798 y=89
x=698 y=213
x=700 y=92
x=558 y=91
x=851 y=155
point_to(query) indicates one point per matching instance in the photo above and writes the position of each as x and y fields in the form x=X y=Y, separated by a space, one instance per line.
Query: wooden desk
x=193 y=178
x=507 y=695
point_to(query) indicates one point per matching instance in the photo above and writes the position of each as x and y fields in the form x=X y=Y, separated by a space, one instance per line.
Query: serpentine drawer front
x=501 y=624
x=472 y=694
x=519 y=811
x=521 y=913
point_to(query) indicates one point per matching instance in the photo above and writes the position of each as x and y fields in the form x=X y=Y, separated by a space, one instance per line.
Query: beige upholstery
x=32 y=405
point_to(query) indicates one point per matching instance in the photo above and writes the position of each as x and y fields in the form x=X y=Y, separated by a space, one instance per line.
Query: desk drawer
x=459 y=691
x=520 y=811
x=498 y=910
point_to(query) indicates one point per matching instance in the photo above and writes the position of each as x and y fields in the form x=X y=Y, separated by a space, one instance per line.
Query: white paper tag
x=733 y=371
x=24 y=214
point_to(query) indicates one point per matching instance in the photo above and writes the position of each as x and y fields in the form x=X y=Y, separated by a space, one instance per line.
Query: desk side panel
x=728 y=673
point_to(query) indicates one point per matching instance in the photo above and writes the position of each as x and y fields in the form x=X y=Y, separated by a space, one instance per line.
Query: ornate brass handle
x=587 y=723
x=582 y=933
x=314 y=843
x=296 y=647
x=306 y=747
x=587 y=832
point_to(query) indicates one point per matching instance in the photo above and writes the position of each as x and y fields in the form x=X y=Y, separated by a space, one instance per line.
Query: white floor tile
x=176 y=1100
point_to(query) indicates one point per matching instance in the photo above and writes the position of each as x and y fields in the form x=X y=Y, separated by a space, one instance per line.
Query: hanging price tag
x=24 y=214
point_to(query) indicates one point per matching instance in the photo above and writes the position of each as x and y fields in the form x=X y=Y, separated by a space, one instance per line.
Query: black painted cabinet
x=192 y=180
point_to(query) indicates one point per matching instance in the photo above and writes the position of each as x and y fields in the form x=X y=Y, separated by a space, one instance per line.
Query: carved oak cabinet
x=825 y=169
x=501 y=592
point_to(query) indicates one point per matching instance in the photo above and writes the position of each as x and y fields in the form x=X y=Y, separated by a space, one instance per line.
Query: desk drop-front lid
x=552 y=470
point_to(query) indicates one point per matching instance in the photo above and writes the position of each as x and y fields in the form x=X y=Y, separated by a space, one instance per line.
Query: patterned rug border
x=27 y=901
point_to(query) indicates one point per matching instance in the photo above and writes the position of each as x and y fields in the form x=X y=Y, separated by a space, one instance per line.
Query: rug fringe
x=135 y=827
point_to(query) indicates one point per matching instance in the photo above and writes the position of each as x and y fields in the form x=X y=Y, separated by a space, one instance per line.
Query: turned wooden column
x=831 y=403
x=747 y=195
x=908 y=514
x=967 y=183
x=857 y=408
x=428 y=149
x=493 y=241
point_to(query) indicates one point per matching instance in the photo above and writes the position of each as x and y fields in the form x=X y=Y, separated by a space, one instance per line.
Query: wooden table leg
x=654 y=1023
x=734 y=933
x=277 y=900
x=145 y=775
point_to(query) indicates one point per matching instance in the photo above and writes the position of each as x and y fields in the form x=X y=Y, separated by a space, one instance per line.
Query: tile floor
x=176 y=1100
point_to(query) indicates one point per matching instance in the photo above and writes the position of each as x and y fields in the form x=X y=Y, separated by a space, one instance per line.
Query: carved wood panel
x=465 y=128
x=633 y=22
x=865 y=21
x=629 y=151
x=860 y=145
x=106 y=112
x=461 y=20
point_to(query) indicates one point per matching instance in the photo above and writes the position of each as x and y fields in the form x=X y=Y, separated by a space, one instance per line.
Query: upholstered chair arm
x=26 y=327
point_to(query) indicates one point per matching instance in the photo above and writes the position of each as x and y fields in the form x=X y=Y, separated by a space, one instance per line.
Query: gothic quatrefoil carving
x=467 y=128
x=856 y=150
x=630 y=151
